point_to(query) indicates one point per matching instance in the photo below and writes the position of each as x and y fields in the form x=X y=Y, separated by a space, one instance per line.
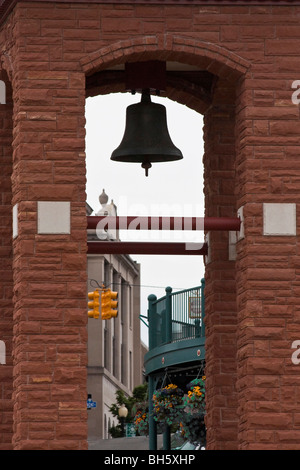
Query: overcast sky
x=171 y=189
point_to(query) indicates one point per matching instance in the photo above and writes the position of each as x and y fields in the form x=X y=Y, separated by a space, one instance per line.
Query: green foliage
x=139 y=395
x=121 y=399
x=192 y=427
x=115 y=431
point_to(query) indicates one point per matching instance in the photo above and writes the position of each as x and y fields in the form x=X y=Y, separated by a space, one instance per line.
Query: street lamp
x=122 y=412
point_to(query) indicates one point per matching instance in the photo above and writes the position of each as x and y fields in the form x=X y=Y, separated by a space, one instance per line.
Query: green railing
x=176 y=316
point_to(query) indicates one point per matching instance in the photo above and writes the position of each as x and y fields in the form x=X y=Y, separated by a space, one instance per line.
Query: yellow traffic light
x=94 y=304
x=109 y=304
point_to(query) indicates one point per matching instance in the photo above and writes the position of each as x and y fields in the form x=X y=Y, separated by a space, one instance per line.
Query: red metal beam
x=146 y=248
x=163 y=223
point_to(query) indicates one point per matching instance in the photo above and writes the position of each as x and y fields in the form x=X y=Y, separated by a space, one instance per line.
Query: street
x=123 y=443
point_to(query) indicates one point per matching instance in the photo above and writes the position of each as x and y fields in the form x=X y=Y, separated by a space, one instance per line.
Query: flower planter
x=168 y=405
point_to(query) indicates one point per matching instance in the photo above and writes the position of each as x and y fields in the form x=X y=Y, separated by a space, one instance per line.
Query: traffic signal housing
x=109 y=304
x=94 y=304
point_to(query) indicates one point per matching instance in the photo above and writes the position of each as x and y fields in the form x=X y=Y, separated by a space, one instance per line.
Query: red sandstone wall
x=220 y=291
x=51 y=47
x=6 y=305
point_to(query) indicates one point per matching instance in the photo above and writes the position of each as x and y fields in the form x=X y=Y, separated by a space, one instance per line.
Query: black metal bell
x=146 y=138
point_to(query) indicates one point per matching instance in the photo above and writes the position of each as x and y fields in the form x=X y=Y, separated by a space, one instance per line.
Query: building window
x=130 y=306
x=114 y=358
x=130 y=371
x=122 y=364
x=105 y=348
x=105 y=427
x=106 y=273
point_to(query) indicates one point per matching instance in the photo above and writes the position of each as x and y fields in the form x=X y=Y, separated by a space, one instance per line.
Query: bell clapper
x=146 y=166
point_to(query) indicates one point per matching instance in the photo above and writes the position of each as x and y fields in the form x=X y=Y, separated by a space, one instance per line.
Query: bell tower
x=238 y=65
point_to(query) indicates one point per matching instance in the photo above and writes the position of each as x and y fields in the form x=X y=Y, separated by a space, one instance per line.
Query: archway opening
x=219 y=175
x=172 y=189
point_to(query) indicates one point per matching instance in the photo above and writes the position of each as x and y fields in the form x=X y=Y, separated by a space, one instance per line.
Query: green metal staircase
x=176 y=329
x=176 y=343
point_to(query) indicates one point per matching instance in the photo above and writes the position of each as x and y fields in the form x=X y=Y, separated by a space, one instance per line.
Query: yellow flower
x=171 y=386
x=197 y=391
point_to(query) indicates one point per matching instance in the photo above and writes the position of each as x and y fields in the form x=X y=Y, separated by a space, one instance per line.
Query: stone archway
x=218 y=105
x=205 y=55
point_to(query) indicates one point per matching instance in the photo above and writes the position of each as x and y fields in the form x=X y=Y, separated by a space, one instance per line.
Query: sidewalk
x=123 y=443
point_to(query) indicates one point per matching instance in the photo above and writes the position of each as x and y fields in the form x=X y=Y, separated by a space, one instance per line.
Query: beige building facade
x=115 y=351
